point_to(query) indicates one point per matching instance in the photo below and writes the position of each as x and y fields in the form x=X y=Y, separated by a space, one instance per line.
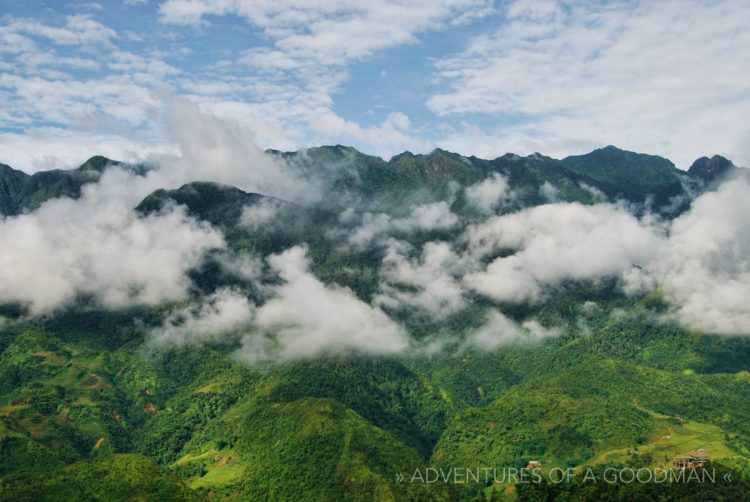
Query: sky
x=478 y=77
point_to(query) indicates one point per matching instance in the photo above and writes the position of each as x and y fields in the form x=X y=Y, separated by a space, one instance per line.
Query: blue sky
x=474 y=76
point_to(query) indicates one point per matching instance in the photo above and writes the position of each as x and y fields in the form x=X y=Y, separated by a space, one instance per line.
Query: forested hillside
x=190 y=340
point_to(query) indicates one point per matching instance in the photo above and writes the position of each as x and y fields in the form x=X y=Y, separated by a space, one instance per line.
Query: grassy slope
x=579 y=399
x=115 y=477
x=599 y=410
x=319 y=449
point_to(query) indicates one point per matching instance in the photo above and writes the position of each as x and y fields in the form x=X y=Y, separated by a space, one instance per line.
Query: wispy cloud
x=79 y=29
x=554 y=242
x=572 y=75
x=98 y=246
x=704 y=264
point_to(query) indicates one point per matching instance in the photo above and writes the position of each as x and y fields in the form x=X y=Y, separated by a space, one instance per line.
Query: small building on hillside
x=698 y=459
x=534 y=464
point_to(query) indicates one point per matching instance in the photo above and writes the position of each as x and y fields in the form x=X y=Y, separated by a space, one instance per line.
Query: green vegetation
x=87 y=413
x=698 y=488
x=629 y=175
x=598 y=410
x=344 y=427
x=20 y=192
x=115 y=477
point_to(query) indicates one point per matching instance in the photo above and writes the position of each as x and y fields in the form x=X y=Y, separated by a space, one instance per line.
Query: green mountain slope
x=86 y=399
x=632 y=176
x=11 y=185
x=572 y=417
x=317 y=449
x=21 y=192
x=115 y=477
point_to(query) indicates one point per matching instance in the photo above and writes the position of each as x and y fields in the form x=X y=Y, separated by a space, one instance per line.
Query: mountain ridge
x=353 y=175
x=169 y=396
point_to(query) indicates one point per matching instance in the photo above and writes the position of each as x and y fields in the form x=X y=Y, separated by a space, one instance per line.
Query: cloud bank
x=302 y=318
x=704 y=264
x=552 y=242
x=499 y=330
x=376 y=227
x=431 y=279
x=98 y=246
x=307 y=318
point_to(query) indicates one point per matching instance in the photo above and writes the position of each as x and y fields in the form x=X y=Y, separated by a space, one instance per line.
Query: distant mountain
x=610 y=171
x=628 y=175
x=213 y=202
x=710 y=170
x=351 y=178
x=96 y=404
x=20 y=192
x=11 y=185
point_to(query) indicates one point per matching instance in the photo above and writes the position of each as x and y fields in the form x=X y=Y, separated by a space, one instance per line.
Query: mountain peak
x=634 y=176
x=214 y=202
x=98 y=163
x=710 y=169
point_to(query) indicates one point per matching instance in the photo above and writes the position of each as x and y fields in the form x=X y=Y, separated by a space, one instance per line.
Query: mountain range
x=616 y=173
x=333 y=349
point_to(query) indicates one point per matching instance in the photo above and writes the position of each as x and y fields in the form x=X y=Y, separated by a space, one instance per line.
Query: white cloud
x=54 y=148
x=432 y=278
x=332 y=32
x=97 y=245
x=306 y=318
x=704 y=265
x=373 y=227
x=394 y=134
x=79 y=29
x=70 y=247
x=487 y=194
x=77 y=104
x=427 y=217
x=195 y=146
x=554 y=242
x=593 y=73
x=302 y=318
x=422 y=218
x=220 y=150
x=549 y=192
x=310 y=47
x=499 y=330
x=219 y=313
x=597 y=194
x=259 y=215
x=141 y=68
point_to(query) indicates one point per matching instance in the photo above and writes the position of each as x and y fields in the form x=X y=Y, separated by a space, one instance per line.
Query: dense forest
x=331 y=350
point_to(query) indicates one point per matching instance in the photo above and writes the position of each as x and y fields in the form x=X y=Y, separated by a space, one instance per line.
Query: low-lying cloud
x=553 y=242
x=704 y=264
x=219 y=313
x=307 y=318
x=301 y=318
x=499 y=330
x=430 y=279
x=99 y=246
x=220 y=150
x=377 y=227
x=488 y=194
